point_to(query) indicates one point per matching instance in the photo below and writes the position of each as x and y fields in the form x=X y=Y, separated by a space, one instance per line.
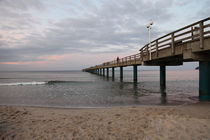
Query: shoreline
x=190 y=121
x=100 y=107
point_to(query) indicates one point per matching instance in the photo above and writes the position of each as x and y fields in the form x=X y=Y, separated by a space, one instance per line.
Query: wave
x=41 y=83
x=69 y=82
x=23 y=83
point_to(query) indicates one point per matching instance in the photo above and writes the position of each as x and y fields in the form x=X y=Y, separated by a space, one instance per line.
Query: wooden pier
x=188 y=44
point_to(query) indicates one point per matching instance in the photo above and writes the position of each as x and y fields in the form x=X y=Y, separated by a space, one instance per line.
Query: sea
x=77 y=89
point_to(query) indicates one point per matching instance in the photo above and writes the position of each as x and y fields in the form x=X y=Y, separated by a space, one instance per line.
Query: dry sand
x=142 y=122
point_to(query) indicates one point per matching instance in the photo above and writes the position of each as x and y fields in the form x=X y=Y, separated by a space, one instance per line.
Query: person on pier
x=118 y=59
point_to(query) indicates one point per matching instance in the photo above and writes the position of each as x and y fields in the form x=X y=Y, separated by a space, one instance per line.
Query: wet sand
x=137 y=122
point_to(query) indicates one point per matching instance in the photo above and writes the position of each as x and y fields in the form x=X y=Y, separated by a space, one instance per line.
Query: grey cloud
x=204 y=12
x=21 y=4
x=15 y=14
x=113 y=23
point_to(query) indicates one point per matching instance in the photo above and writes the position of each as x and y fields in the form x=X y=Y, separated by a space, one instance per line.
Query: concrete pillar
x=121 y=73
x=103 y=71
x=107 y=72
x=100 y=72
x=204 y=81
x=135 y=73
x=113 y=72
x=163 y=78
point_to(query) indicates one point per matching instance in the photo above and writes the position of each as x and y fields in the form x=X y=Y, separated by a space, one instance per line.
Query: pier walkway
x=188 y=44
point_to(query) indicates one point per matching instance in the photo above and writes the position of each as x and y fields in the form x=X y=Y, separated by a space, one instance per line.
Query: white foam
x=22 y=83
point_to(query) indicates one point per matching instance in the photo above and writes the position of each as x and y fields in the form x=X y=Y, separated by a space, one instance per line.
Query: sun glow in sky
x=74 y=34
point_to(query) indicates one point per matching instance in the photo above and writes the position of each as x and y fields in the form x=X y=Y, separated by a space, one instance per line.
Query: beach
x=131 y=122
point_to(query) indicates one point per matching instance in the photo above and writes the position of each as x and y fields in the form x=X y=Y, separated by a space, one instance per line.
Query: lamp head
x=150 y=22
x=148 y=25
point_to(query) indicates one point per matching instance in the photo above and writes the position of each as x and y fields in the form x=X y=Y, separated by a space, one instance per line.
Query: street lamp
x=149 y=27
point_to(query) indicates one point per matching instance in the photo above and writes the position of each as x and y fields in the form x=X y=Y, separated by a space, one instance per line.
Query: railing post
x=156 y=48
x=192 y=33
x=147 y=51
x=172 y=44
x=142 y=55
x=201 y=35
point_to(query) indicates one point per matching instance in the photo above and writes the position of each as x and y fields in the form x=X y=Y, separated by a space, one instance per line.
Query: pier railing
x=193 y=32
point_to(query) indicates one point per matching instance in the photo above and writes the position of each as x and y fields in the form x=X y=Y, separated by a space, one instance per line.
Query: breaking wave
x=23 y=83
x=41 y=83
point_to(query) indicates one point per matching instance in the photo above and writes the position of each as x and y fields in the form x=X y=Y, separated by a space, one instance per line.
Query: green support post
x=107 y=72
x=103 y=71
x=162 y=78
x=135 y=73
x=121 y=73
x=113 y=72
x=204 y=81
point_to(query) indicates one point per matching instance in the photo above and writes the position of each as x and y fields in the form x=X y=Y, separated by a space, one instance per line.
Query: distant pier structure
x=188 y=44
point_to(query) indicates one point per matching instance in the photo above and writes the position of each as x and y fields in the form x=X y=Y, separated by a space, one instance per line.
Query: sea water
x=77 y=89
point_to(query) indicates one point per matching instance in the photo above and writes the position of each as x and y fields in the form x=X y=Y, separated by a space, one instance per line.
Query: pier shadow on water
x=138 y=94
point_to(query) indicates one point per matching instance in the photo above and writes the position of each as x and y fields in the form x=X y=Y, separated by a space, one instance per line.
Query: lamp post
x=149 y=27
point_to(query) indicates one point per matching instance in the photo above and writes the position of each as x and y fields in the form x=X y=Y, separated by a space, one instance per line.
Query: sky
x=75 y=34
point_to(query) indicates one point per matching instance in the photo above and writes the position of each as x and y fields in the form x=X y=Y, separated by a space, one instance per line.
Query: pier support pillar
x=100 y=72
x=107 y=72
x=121 y=73
x=103 y=71
x=135 y=73
x=204 y=81
x=113 y=72
x=162 y=78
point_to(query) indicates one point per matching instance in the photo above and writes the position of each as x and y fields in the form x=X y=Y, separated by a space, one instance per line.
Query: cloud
x=204 y=11
x=32 y=29
x=113 y=23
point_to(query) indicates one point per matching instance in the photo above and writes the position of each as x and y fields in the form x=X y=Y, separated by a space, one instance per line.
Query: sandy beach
x=136 y=122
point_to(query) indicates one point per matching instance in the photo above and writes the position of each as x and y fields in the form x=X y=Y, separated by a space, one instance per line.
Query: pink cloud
x=47 y=59
x=53 y=57
x=24 y=63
